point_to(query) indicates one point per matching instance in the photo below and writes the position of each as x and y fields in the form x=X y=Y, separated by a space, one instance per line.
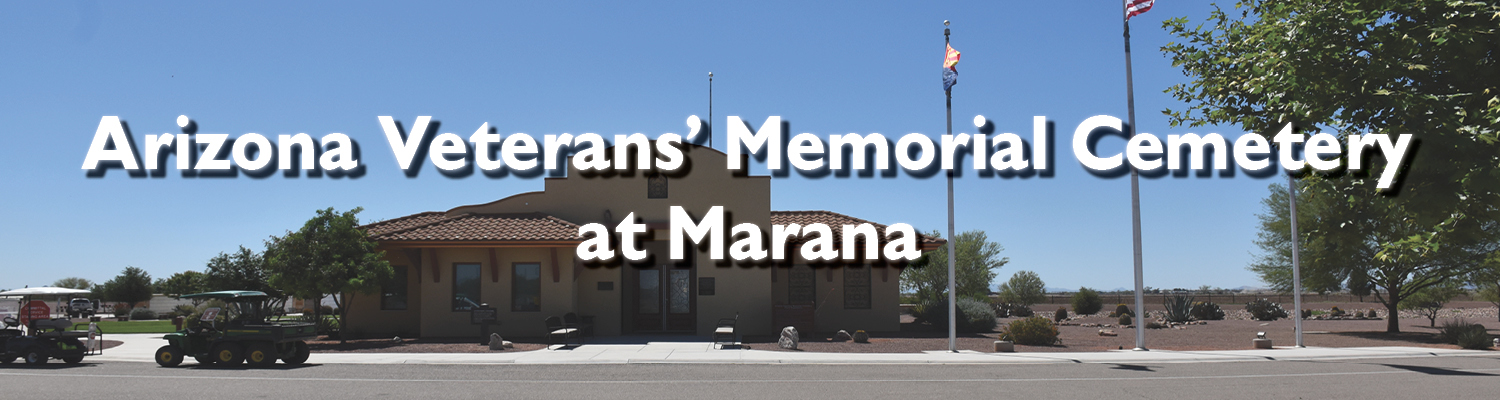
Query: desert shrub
x=973 y=315
x=1266 y=310
x=1061 y=315
x=1179 y=308
x=1466 y=334
x=1123 y=310
x=1126 y=320
x=142 y=314
x=1207 y=311
x=1087 y=302
x=182 y=310
x=122 y=311
x=1035 y=331
x=1004 y=310
x=324 y=326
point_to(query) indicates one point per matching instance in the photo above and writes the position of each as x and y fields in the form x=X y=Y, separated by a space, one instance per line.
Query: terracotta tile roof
x=526 y=227
x=836 y=222
x=392 y=225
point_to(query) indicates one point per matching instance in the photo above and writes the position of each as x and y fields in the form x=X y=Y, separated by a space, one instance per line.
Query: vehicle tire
x=73 y=359
x=35 y=355
x=167 y=356
x=261 y=354
x=298 y=353
x=227 y=353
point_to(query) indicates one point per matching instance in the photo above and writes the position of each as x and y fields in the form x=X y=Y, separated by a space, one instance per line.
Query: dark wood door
x=663 y=299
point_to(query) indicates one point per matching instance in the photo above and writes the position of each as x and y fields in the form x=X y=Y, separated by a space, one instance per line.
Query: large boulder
x=788 y=338
x=496 y=342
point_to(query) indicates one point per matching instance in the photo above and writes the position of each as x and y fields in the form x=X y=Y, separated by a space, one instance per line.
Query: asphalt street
x=1420 y=377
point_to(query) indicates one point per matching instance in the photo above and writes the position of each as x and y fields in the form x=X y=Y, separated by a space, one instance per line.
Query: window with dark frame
x=393 y=292
x=526 y=287
x=656 y=186
x=857 y=288
x=802 y=285
x=465 y=286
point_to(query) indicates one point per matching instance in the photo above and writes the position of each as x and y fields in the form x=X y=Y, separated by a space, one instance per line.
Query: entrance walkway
x=624 y=350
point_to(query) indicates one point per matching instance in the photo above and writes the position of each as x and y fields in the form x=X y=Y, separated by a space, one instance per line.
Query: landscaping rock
x=1004 y=346
x=861 y=337
x=788 y=338
x=842 y=335
x=496 y=342
x=1107 y=332
x=507 y=344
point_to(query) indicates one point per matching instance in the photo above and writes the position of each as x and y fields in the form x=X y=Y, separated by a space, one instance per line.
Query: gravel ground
x=1233 y=333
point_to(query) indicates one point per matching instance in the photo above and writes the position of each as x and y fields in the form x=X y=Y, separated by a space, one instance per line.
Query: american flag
x=1137 y=7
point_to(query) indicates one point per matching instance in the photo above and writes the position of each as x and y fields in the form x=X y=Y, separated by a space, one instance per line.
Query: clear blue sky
x=320 y=67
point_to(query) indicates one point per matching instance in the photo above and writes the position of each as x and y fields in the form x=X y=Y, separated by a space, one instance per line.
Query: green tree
x=976 y=263
x=1428 y=301
x=1344 y=243
x=181 y=283
x=73 y=283
x=132 y=286
x=1024 y=288
x=1486 y=282
x=330 y=254
x=244 y=269
x=1425 y=67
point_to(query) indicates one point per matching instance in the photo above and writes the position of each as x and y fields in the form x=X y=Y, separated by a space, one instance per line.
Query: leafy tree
x=976 y=262
x=330 y=254
x=73 y=283
x=245 y=269
x=181 y=283
x=1430 y=300
x=132 y=286
x=1487 y=282
x=1426 y=67
x=1024 y=288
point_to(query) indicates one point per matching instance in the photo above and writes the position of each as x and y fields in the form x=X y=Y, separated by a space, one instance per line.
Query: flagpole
x=1135 y=198
x=710 y=109
x=952 y=263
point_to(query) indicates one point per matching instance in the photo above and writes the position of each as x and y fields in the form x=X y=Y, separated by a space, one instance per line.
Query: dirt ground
x=1233 y=333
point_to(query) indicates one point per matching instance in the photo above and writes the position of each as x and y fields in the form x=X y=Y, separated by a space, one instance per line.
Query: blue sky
x=565 y=67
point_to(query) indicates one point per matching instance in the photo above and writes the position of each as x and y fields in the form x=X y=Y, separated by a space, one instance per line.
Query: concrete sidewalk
x=142 y=347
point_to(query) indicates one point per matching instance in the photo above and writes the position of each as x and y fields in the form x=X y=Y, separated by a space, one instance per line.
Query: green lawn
x=111 y=326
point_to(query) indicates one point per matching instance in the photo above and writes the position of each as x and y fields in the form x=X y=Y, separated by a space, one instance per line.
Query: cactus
x=1125 y=320
x=1123 y=310
x=1062 y=314
x=1179 y=308
x=1207 y=311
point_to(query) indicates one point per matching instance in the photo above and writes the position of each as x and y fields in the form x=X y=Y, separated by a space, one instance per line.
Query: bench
x=556 y=328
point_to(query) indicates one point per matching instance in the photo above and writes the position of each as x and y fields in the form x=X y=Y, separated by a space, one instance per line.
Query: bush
x=1207 y=311
x=325 y=326
x=182 y=310
x=1061 y=315
x=1466 y=334
x=142 y=314
x=1006 y=310
x=1266 y=310
x=122 y=311
x=1034 y=331
x=1087 y=302
x=1123 y=310
x=1126 y=320
x=973 y=315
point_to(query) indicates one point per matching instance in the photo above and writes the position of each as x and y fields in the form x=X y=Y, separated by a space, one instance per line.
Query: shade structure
x=43 y=291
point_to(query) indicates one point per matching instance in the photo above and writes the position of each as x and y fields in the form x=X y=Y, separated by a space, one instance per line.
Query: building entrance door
x=663 y=300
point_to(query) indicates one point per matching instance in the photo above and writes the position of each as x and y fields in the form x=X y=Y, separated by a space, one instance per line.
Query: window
x=393 y=292
x=465 y=286
x=801 y=285
x=656 y=186
x=526 y=287
x=856 y=288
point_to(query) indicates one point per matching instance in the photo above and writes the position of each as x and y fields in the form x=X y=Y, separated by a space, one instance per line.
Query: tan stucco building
x=517 y=255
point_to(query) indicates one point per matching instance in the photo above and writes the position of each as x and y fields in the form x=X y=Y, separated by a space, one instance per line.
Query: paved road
x=1424 y=377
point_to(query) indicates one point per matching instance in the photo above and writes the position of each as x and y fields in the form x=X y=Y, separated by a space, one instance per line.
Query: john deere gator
x=238 y=332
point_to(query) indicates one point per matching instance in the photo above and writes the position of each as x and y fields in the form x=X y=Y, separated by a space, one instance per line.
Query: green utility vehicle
x=237 y=332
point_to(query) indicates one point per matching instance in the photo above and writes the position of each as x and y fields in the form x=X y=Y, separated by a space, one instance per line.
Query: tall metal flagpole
x=952 y=261
x=1291 y=187
x=1135 y=197
x=710 y=109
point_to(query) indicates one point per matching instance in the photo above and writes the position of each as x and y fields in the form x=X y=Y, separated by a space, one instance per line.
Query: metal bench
x=724 y=333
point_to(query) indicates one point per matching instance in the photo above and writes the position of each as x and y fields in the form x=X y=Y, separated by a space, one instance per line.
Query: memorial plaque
x=483 y=316
x=705 y=286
